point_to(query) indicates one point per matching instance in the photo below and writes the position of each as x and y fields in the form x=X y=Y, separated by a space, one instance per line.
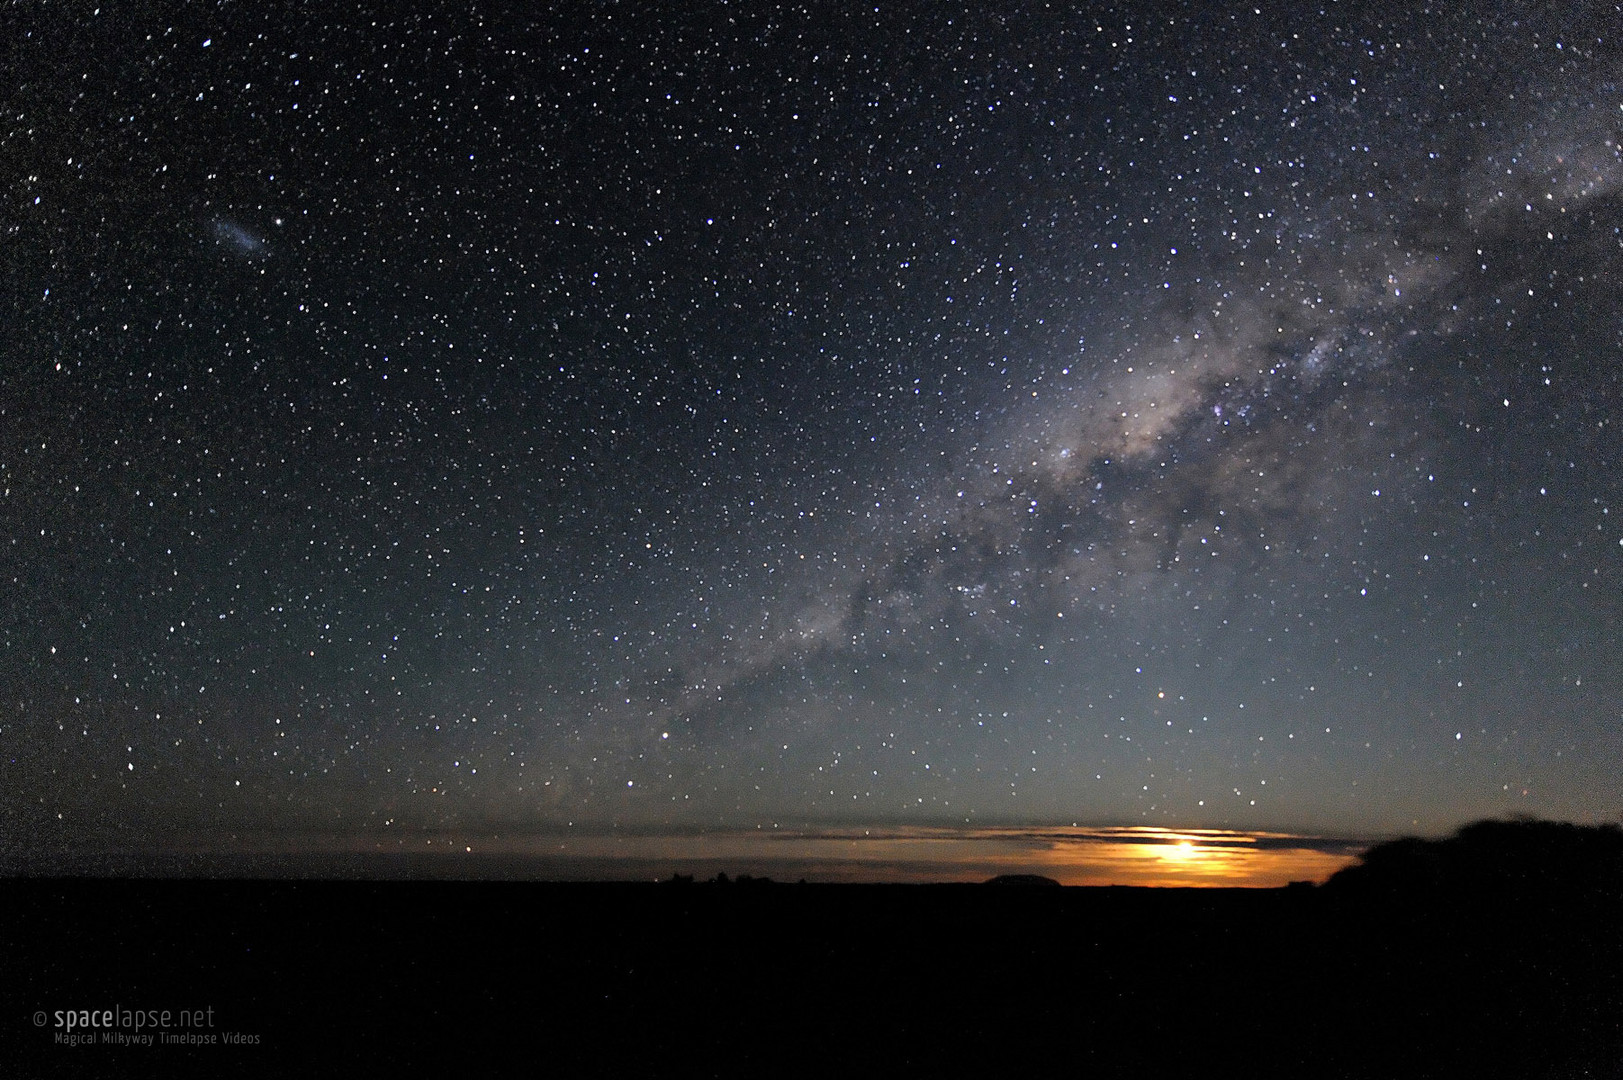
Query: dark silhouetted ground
x=1496 y=953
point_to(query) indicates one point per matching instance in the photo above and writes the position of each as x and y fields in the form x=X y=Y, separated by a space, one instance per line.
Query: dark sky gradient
x=425 y=419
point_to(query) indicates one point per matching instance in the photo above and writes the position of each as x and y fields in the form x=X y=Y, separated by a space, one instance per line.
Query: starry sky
x=428 y=419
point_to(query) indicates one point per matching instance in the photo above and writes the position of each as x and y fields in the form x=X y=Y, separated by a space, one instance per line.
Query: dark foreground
x=358 y=978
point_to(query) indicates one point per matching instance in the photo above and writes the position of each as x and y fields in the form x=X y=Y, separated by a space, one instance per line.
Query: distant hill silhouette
x=1517 y=858
x=1026 y=880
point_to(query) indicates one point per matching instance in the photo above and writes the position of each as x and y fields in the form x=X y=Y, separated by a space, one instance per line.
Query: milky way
x=1188 y=417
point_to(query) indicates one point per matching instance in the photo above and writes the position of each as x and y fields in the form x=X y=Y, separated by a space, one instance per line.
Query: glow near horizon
x=1071 y=855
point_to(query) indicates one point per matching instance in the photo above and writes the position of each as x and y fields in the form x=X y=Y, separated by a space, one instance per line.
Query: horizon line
x=1070 y=854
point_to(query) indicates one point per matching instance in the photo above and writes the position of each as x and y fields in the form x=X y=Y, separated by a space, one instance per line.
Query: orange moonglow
x=1200 y=857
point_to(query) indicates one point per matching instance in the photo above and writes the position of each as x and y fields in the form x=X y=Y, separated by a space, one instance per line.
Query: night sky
x=432 y=421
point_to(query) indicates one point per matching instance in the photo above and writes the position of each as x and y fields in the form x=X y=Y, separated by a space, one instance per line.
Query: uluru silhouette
x=1022 y=880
